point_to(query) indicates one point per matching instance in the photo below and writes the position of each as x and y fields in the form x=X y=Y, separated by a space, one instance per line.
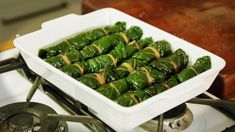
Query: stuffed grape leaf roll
x=117 y=55
x=131 y=97
x=134 y=97
x=114 y=89
x=172 y=64
x=144 y=57
x=75 y=70
x=81 y=40
x=120 y=53
x=65 y=58
x=107 y=43
x=158 y=70
x=202 y=64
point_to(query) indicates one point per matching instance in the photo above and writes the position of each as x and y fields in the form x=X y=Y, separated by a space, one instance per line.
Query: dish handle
x=59 y=22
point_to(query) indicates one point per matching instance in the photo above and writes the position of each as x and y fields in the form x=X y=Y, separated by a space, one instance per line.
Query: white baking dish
x=118 y=117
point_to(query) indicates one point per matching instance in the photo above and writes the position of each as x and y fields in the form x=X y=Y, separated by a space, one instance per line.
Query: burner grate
x=29 y=116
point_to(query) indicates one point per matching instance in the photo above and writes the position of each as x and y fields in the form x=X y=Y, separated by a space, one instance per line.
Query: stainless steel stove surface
x=14 y=88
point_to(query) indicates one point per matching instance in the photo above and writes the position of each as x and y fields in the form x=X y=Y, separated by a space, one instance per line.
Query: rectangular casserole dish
x=118 y=117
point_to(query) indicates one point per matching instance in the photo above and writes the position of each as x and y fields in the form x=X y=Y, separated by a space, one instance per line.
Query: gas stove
x=70 y=115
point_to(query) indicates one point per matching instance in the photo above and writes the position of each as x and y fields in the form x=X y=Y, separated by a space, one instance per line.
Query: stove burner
x=25 y=117
x=175 y=120
x=20 y=122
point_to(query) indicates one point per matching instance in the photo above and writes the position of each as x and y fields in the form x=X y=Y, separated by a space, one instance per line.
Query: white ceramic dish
x=118 y=117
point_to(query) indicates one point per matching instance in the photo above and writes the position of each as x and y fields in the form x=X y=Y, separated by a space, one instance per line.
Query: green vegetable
x=134 y=97
x=65 y=58
x=107 y=43
x=154 y=51
x=202 y=64
x=145 y=77
x=96 y=64
x=120 y=53
x=81 y=40
x=158 y=88
x=117 y=55
x=75 y=70
x=131 y=97
x=114 y=89
x=158 y=70
x=172 y=64
x=94 y=80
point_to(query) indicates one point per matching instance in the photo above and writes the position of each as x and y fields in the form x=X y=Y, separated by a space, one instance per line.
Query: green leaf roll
x=94 y=80
x=114 y=89
x=107 y=43
x=144 y=57
x=122 y=52
x=158 y=88
x=202 y=64
x=145 y=77
x=75 y=70
x=96 y=64
x=158 y=70
x=119 y=53
x=131 y=97
x=134 y=97
x=81 y=40
x=172 y=64
x=65 y=58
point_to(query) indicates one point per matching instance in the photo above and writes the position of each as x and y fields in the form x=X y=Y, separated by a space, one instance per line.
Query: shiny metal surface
x=24 y=116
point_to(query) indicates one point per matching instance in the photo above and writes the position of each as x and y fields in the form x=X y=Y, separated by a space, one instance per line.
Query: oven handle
x=10 y=64
x=226 y=105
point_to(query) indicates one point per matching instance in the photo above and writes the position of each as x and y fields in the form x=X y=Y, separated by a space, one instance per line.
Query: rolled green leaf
x=114 y=89
x=134 y=97
x=202 y=64
x=94 y=80
x=107 y=43
x=120 y=53
x=81 y=40
x=158 y=70
x=172 y=64
x=117 y=55
x=75 y=70
x=144 y=77
x=158 y=88
x=98 y=63
x=144 y=57
x=65 y=58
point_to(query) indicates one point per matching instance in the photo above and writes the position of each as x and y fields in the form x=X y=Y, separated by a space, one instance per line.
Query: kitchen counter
x=208 y=24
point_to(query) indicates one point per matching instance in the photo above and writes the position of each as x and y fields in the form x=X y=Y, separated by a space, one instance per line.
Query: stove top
x=14 y=88
x=29 y=116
